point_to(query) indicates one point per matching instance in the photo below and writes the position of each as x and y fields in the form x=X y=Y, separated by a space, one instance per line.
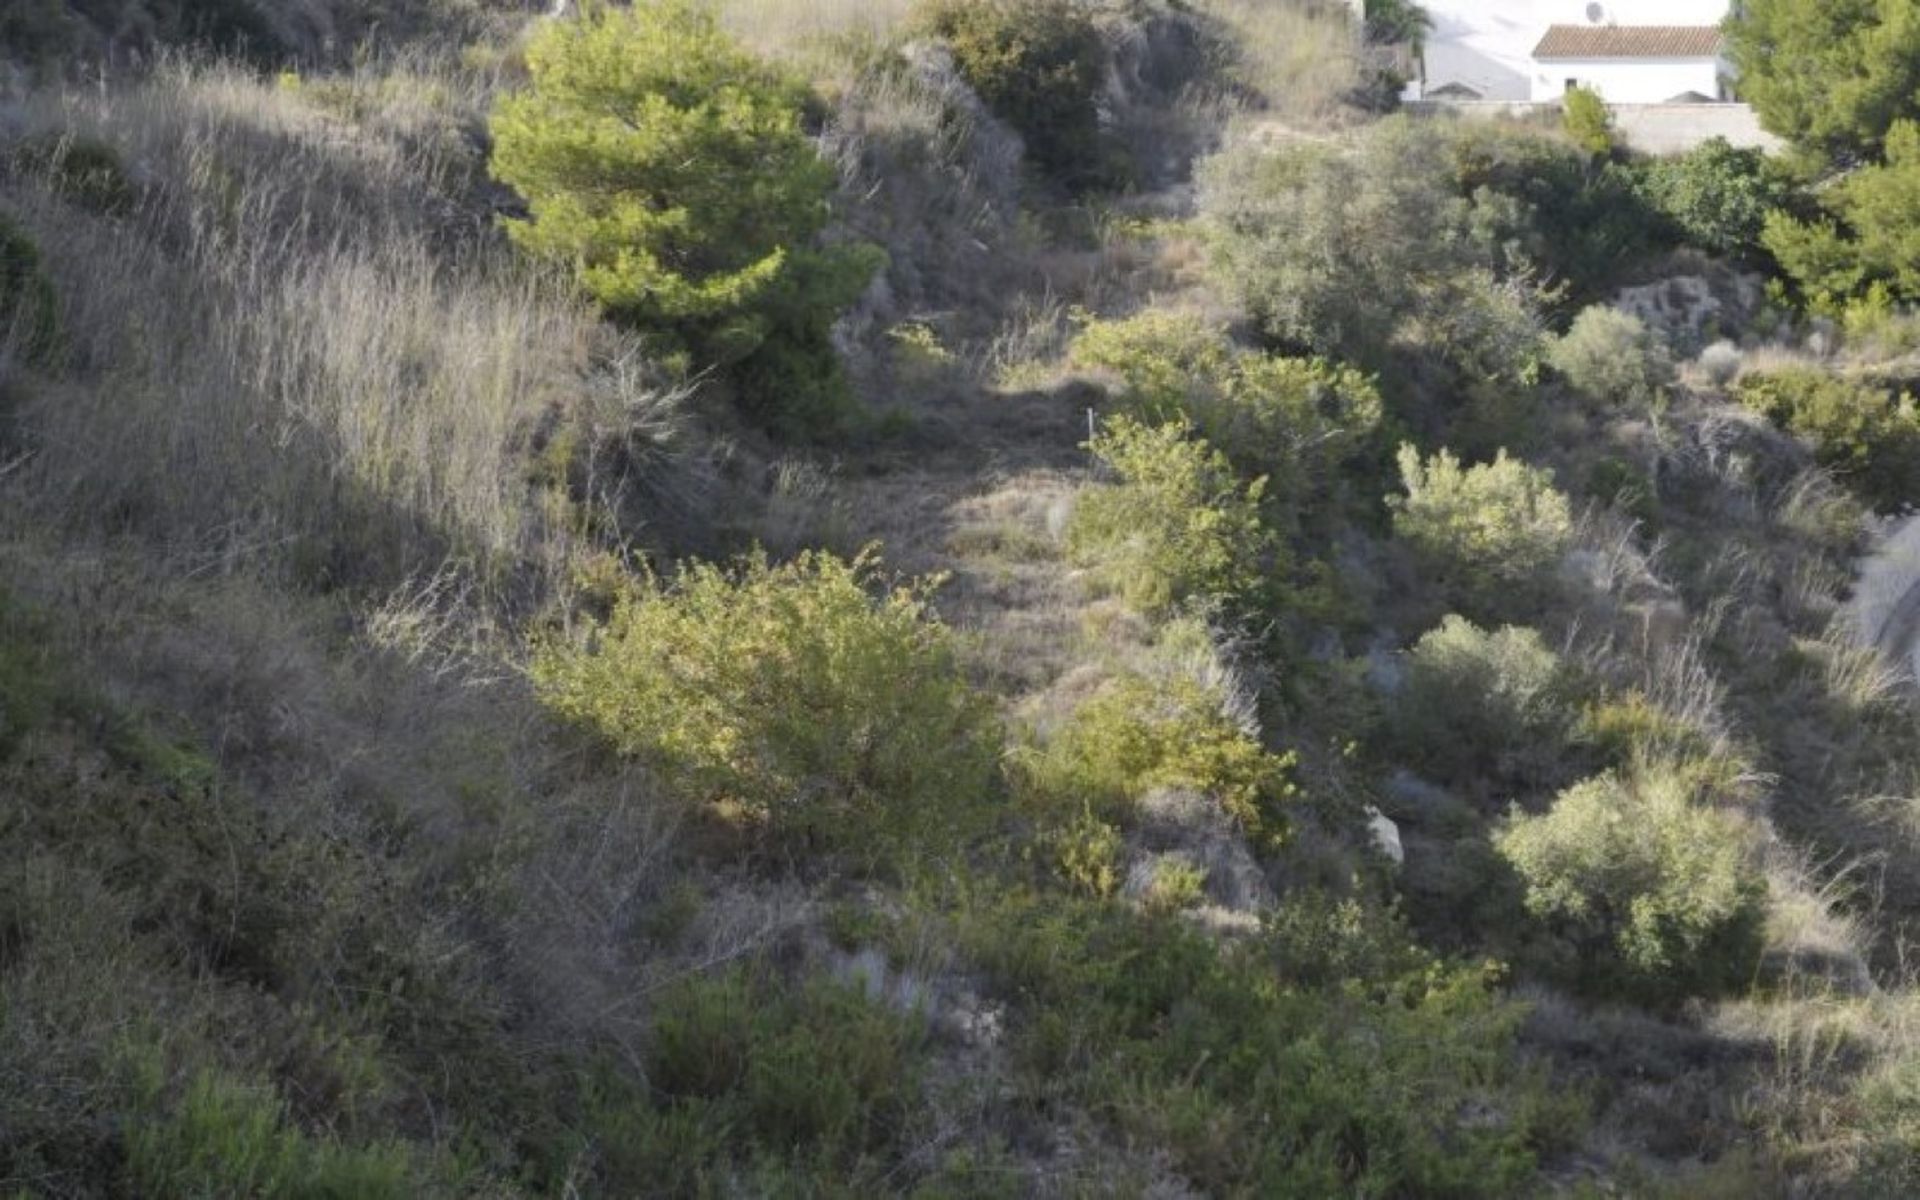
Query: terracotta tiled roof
x=1629 y=41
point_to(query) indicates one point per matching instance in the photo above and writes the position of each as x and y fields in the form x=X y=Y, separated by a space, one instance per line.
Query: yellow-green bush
x=1039 y=65
x=1179 y=524
x=1487 y=531
x=1137 y=735
x=669 y=168
x=825 y=710
x=1865 y=434
x=1296 y=419
x=1658 y=896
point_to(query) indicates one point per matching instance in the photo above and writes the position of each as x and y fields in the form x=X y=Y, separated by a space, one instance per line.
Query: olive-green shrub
x=825 y=709
x=1484 y=705
x=1295 y=419
x=1612 y=357
x=1177 y=525
x=669 y=169
x=1488 y=532
x=28 y=308
x=1137 y=735
x=1865 y=434
x=1039 y=65
x=1657 y=895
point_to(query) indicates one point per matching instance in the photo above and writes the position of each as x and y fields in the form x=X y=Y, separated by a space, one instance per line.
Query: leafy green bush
x=1488 y=531
x=1294 y=419
x=1179 y=524
x=1484 y=705
x=1613 y=358
x=670 y=169
x=1657 y=896
x=1588 y=121
x=1866 y=435
x=1717 y=195
x=1138 y=735
x=225 y=1138
x=1039 y=65
x=28 y=307
x=791 y=693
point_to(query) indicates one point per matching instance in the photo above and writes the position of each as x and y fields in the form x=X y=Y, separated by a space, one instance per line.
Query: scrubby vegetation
x=734 y=597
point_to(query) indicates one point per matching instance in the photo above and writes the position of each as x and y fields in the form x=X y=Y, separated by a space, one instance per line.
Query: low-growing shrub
x=1658 y=897
x=794 y=1080
x=1039 y=65
x=1178 y=524
x=1294 y=419
x=1137 y=735
x=1613 y=358
x=1487 y=532
x=28 y=307
x=225 y=1138
x=1327 y=1057
x=1484 y=705
x=83 y=170
x=826 y=713
x=1864 y=434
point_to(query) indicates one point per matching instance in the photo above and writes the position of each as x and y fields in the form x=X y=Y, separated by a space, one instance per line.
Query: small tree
x=1613 y=358
x=1660 y=897
x=669 y=169
x=1488 y=531
x=1588 y=121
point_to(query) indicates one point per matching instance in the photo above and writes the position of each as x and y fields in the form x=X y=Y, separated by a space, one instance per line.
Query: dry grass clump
x=300 y=340
x=1301 y=56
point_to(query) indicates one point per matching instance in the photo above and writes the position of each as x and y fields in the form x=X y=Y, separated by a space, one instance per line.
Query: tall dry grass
x=306 y=340
x=1300 y=56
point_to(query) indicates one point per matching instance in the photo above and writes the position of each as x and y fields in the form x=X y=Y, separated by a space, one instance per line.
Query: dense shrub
x=1487 y=531
x=28 y=312
x=1612 y=357
x=827 y=713
x=1295 y=420
x=1139 y=735
x=1177 y=525
x=1423 y=239
x=1480 y=705
x=1864 y=434
x=669 y=168
x=1040 y=66
x=1716 y=195
x=1658 y=897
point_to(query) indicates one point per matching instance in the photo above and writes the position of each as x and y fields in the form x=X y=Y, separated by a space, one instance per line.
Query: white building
x=1630 y=51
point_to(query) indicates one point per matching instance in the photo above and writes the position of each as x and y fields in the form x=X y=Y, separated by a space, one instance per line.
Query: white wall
x=1486 y=45
x=1630 y=81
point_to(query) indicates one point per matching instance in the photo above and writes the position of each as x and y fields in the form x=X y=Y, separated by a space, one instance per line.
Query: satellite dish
x=1596 y=13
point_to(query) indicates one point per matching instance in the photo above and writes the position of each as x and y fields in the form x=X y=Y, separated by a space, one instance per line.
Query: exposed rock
x=1193 y=825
